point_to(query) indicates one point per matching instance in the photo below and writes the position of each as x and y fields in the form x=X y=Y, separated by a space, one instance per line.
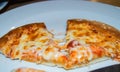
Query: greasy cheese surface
x=35 y=44
x=22 y=39
x=95 y=33
x=85 y=41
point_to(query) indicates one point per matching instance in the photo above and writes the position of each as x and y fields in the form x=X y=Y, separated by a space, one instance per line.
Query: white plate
x=55 y=14
x=3 y=4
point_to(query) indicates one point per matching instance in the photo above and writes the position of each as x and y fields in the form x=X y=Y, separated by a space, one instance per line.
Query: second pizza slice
x=91 y=40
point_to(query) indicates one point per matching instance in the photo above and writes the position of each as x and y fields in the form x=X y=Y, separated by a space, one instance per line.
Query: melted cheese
x=26 y=44
x=40 y=45
x=82 y=51
x=95 y=33
x=49 y=53
x=90 y=53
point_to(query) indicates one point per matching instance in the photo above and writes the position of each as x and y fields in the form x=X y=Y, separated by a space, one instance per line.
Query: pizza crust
x=25 y=69
x=95 y=25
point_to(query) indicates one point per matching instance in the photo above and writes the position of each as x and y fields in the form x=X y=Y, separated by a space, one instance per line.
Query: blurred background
x=6 y=5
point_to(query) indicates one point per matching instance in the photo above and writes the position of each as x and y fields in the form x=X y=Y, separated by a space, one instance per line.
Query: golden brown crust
x=16 y=33
x=95 y=25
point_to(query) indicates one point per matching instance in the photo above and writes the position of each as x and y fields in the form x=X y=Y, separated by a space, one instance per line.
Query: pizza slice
x=33 y=43
x=90 y=40
x=25 y=42
x=24 y=69
x=85 y=41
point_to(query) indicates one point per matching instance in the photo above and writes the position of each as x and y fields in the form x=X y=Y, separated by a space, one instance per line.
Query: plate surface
x=55 y=14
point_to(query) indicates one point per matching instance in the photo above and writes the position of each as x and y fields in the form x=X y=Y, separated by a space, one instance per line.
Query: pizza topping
x=73 y=43
x=85 y=41
x=49 y=53
x=80 y=52
x=90 y=54
x=97 y=50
